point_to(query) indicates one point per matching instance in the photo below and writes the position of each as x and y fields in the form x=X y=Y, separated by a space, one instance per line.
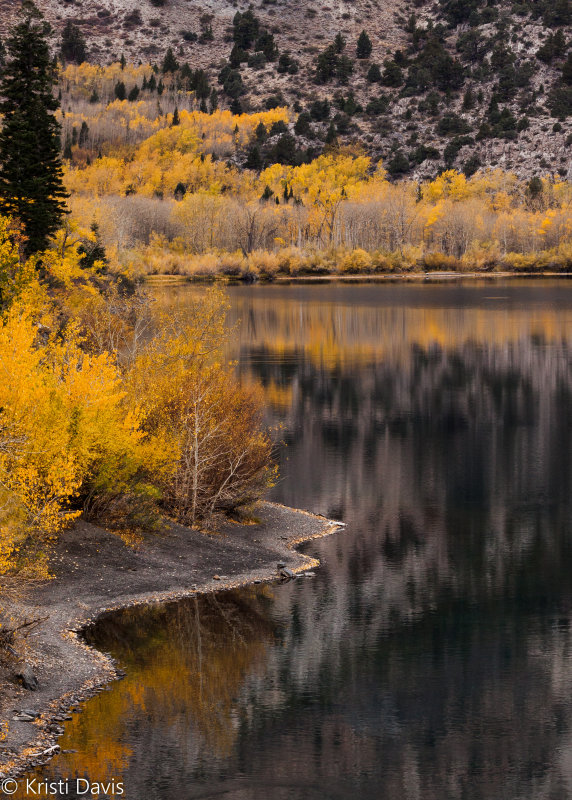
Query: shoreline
x=174 y=564
x=168 y=279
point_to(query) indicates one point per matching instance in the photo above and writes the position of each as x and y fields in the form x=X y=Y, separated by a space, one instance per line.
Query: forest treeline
x=175 y=189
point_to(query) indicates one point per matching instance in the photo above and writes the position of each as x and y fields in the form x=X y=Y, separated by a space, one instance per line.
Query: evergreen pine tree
x=31 y=186
x=339 y=43
x=180 y=191
x=254 y=159
x=363 y=49
x=374 y=74
x=175 y=120
x=83 y=134
x=237 y=57
x=170 y=63
x=119 y=90
x=567 y=70
x=68 y=154
x=469 y=99
x=332 y=136
x=201 y=87
x=344 y=69
x=73 y=44
x=92 y=250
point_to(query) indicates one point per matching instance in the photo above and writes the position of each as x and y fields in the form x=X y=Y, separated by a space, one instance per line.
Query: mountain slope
x=455 y=83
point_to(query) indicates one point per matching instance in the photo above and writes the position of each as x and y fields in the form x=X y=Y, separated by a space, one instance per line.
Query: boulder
x=287 y=573
x=26 y=677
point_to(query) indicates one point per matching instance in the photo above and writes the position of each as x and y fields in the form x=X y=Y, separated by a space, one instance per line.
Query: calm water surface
x=430 y=657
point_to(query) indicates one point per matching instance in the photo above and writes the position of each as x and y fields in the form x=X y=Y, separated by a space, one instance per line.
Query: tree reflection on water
x=430 y=657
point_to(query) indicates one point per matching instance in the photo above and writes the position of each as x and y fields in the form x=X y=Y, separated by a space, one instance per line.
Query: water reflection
x=430 y=658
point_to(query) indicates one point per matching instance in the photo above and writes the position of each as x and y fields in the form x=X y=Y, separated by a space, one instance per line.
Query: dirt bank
x=95 y=571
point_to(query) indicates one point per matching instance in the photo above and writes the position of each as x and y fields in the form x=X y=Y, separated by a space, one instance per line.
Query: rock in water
x=27 y=678
x=287 y=573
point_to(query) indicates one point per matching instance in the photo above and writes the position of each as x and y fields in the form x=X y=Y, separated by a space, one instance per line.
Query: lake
x=430 y=656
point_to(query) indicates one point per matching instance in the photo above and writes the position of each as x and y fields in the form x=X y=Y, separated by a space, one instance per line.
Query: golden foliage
x=219 y=454
x=94 y=389
x=79 y=429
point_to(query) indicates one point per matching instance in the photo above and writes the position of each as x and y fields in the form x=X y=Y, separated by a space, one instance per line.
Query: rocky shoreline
x=96 y=572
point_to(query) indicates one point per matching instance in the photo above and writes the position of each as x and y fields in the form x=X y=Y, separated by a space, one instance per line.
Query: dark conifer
x=73 y=46
x=120 y=91
x=374 y=74
x=254 y=160
x=31 y=186
x=92 y=250
x=363 y=49
x=332 y=136
x=83 y=134
x=170 y=63
x=567 y=70
x=339 y=43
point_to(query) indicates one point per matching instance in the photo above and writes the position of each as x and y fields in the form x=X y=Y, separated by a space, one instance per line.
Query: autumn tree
x=221 y=456
x=31 y=186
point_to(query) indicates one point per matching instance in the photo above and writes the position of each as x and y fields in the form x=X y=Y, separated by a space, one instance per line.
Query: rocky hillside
x=451 y=83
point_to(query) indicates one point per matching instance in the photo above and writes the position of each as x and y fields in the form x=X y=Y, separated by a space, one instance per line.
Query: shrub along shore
x=289 y=265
